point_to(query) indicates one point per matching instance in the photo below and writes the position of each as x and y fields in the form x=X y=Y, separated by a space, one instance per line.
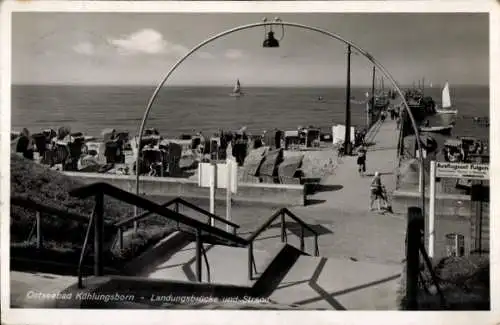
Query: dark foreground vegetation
x=63 y=238
x=464 y=281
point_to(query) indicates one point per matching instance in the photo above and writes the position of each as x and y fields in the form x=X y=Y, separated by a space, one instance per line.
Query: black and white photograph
x=248 y=160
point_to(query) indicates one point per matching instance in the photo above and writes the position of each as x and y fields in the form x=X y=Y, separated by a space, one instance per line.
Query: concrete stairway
x=284 y=278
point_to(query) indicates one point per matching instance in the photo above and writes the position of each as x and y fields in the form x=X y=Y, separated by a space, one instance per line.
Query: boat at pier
x=446 y=102
x=237 y=92
x=446 y=130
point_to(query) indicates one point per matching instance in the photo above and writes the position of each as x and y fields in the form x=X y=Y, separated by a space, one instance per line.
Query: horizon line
x=230 y=85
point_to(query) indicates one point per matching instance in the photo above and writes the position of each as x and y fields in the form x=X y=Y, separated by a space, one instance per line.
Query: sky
x=140 y=48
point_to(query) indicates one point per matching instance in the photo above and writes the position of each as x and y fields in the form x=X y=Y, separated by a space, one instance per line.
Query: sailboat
x=237 y=90
x=446 y=102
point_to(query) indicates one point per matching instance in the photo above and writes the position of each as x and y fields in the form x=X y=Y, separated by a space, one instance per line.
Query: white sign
x=206 y=173
x=338 y=133
x=225 y=171
x=462 y=170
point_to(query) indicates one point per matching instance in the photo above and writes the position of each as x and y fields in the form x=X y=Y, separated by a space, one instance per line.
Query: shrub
x=51 y=188
x=464 y=281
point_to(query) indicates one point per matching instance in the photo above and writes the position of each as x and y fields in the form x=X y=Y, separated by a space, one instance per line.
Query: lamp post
x=272 y=42
x=347 y=139
x=373 y=90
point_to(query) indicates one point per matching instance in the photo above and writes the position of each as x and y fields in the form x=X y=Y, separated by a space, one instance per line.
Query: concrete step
x=320 y=283
x=311 y=283
x=227 y=265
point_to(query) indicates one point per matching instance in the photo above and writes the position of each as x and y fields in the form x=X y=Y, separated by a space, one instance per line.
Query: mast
x=373 y=93
x=347 y=140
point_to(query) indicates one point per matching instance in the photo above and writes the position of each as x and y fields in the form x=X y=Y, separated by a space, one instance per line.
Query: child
x=361 y=160
x=376 y=191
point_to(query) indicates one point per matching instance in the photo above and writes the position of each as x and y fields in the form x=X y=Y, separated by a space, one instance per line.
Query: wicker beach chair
x=59 y=155
x=269 y=168
x=289 y=170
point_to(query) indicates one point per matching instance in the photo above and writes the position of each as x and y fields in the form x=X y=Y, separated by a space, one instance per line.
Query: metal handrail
x=265 y=225
x=272 y=218
x=302 y=223
x=280 y=213
x=32 y=205
x=178 y=200
x=141 y=216
x=101 y=189
x=84 y=248
x=153 y=207
x=203 y=211
x=204 y=251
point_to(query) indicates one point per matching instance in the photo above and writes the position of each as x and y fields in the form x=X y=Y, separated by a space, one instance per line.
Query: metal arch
x=380 y=67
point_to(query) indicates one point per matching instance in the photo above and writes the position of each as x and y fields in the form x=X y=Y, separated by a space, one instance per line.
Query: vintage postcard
x=166 y=157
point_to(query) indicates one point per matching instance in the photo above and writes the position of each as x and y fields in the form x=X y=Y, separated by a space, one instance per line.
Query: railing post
x=302 y=238
x=176 y=209
x=283 y=227
x=98 y=234
x=250 y=261
x=198 y=255
x=38 y=230
x=316 y=247
x=120 y=238
x=414 y=238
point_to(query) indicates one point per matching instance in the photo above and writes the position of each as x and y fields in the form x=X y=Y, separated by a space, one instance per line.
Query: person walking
x=376 y=191
x=383 y=115
x=361 y=161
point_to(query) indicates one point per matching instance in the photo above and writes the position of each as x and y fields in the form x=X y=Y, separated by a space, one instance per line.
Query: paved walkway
x=343 y=207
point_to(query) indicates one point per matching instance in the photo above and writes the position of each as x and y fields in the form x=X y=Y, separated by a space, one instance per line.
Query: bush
x=51 y=188
x=464 y=281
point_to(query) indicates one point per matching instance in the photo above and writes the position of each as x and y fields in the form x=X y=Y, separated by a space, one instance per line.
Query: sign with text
x=462 y=170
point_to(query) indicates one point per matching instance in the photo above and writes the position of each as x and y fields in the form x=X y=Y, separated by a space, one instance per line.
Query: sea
x=179 y=110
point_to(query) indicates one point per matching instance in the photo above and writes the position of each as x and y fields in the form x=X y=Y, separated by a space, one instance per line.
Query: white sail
x=446 y=100
x=237 y=87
